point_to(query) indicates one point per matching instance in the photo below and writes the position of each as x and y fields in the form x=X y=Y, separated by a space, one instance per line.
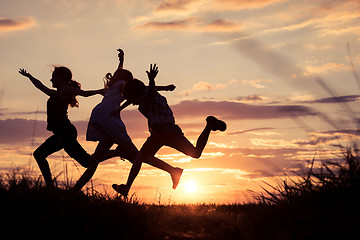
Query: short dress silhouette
x=102 y=126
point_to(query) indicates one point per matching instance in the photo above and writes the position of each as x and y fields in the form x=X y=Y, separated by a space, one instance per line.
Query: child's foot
x=175 y=177
x=122 y=189
x=215 y=124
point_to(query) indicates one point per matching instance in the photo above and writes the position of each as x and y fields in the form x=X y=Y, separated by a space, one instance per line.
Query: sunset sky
x=283 y=74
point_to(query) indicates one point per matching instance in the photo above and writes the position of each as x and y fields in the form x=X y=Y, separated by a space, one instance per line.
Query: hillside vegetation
x=324 y=203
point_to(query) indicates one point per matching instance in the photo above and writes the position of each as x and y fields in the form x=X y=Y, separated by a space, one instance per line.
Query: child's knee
x=129 y=154
x=39 y=155
x=196 y=154
x=193 y=152
x=143 y=157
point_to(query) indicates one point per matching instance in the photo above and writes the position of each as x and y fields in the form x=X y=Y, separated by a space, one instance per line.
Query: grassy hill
x=323 y=204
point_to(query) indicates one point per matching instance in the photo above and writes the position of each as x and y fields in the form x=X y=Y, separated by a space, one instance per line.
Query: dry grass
x=322 y=204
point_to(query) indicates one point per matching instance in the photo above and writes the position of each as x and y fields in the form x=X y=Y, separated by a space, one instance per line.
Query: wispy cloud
x=191 y=24
x=8 y=24
x=322 y=138
x=250 y=130
x=332 y=137
x=326 y=68
x=251 y=98
x=242 y=4
x=23 y=129
x=324 y=20
x=257 y=83
x=340 y=99
x=205 y=86
x=211 y=5
x=236 y=110
x=178 y=5
x=182 y=24
x=18 y=130
x=221 y=25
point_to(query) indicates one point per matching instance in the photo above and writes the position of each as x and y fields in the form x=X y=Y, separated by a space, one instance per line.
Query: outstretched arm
x=71 y=91
x=170 y=87
x=37 y=83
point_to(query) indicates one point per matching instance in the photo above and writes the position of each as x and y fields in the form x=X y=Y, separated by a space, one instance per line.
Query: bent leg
x=111 y=154
x=73 y=147
x=129 y=151
x=134 y=171
x=51 y=145
x=182 y=144
x=150 y=147
x=100 y=151
x=77 y=152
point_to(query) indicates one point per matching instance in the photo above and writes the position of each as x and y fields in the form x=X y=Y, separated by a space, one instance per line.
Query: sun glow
x=190 y=186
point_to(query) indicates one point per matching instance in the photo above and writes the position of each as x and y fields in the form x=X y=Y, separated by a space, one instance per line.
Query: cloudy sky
x=283 y=74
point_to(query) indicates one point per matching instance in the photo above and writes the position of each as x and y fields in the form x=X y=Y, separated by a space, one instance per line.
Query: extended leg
x=100 y=151
x=51 y=145
x=183 y=145
x=77 y=152
x=123 y=189
x=129 y=151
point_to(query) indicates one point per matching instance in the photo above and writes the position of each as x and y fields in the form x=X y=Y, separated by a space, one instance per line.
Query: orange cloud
x=326 y=68
x=186 y=6
x=7 y=24
x=334 y=21
x=241 y=4
x=257 y=83
x=205 y=86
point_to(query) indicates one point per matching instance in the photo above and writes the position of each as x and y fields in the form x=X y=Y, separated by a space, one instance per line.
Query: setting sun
x=190 y=186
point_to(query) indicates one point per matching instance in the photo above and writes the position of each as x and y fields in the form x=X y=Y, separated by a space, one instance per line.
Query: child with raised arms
x=64 y=132
x=108 y=130
x=162 y=127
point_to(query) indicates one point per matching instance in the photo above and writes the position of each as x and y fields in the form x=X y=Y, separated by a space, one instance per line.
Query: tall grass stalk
x=333 y=177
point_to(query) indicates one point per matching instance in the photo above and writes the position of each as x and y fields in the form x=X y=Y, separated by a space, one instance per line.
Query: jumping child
x=64 y=132
x=161 y=125
x=109 y=130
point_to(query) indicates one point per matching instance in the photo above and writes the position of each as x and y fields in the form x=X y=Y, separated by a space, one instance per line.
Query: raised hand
x=120 y=54
x=121 y=58
x=24 y=73
x=153 y=72
x=37 y=83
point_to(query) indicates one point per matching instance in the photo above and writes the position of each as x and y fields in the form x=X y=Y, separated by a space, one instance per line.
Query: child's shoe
x=216 y=124
x=122 y=189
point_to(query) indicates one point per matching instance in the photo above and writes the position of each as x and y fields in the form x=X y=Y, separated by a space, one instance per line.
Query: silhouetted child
x=109 y=130
x=65 y=134
x=162 y=126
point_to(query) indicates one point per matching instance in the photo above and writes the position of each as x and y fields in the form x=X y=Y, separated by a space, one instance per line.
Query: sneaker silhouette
x=216 y=124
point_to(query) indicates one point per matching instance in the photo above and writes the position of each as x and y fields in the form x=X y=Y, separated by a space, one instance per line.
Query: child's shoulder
x=146 y=91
